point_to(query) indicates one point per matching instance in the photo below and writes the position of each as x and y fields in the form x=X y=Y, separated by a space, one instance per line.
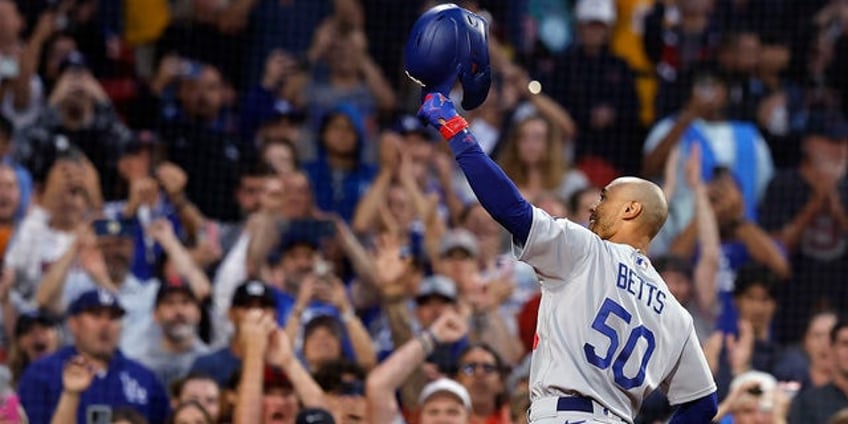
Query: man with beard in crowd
x=174 y=343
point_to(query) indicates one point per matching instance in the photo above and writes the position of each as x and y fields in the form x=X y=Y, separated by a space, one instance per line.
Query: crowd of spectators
x=226 y=211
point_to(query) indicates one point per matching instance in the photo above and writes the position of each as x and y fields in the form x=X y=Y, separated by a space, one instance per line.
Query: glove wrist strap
x=453 y=126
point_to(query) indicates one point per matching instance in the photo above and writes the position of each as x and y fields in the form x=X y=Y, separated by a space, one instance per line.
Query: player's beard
x=598 y=226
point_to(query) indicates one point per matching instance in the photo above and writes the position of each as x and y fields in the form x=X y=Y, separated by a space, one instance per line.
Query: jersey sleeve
x=690 y=378
x=555 y=245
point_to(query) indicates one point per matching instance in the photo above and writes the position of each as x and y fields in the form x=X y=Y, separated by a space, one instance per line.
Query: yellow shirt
x=145 y=20
x=627 y=43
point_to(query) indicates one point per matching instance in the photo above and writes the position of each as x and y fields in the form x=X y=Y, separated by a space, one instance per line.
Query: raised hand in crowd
x=279 y=67
x=144 y=191
x=389 y=375
x=170 y=68
x=392 y=265
x=91 y=260
x=450 y=327
x=77 y=376
x=183 y=262
x=173 y=180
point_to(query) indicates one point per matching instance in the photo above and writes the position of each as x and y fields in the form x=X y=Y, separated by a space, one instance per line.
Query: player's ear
x=631 y=210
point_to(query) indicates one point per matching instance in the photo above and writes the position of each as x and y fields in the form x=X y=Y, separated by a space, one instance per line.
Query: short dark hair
x=324 y=321
x=330 y=374
x=841 y=324
x=178 y=385
x=254 y=168
x=752 y=275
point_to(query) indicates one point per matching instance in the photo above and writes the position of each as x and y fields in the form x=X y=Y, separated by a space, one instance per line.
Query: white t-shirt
x=34 y=247
x=608 y=328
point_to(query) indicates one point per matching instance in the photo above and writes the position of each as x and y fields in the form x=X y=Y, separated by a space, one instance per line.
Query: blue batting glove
x=438 y=111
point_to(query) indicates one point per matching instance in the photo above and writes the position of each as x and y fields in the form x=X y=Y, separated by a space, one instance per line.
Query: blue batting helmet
x=449 y=42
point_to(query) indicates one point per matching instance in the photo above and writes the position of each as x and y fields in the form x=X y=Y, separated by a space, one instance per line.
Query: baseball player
x=609 y=332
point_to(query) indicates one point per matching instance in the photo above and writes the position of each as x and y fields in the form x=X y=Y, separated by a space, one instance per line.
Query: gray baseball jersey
x=608 y=328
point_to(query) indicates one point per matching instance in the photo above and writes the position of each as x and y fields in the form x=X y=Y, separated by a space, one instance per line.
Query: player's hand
x=449 y=328
x=437 y=109
x=77 y=375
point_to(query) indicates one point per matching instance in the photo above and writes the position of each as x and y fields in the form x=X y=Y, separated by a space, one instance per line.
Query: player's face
x=603 y=216
x=443 y=409
x=96 y=332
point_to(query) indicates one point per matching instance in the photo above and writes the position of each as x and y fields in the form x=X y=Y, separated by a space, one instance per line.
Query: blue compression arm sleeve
x=495 y=191
x=698 y=411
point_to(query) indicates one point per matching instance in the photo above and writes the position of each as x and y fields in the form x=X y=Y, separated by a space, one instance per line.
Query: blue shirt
x=220 y=365
x=125 y=383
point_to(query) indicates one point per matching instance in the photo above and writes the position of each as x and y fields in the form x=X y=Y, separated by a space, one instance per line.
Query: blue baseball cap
x=93 y=300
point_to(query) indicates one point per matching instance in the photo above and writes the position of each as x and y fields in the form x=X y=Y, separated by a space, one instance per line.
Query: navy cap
x=314 y=416
x=95 y=299
x=74 y=60
x=174 y=286
x=28 y=320
x=253 y=291
x=114 y=227
x=827 y=123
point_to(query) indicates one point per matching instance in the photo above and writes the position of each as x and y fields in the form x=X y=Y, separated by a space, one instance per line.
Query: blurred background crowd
x=217 y=211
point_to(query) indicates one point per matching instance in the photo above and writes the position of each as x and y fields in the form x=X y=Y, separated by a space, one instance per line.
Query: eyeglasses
x=469 y=368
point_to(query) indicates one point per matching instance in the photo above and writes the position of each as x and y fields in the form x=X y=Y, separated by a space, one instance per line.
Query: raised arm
x=280 y=354
x=255 y=336
x=163 y=232
x=706 y=268
x=389 y=375
x=498 y=195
